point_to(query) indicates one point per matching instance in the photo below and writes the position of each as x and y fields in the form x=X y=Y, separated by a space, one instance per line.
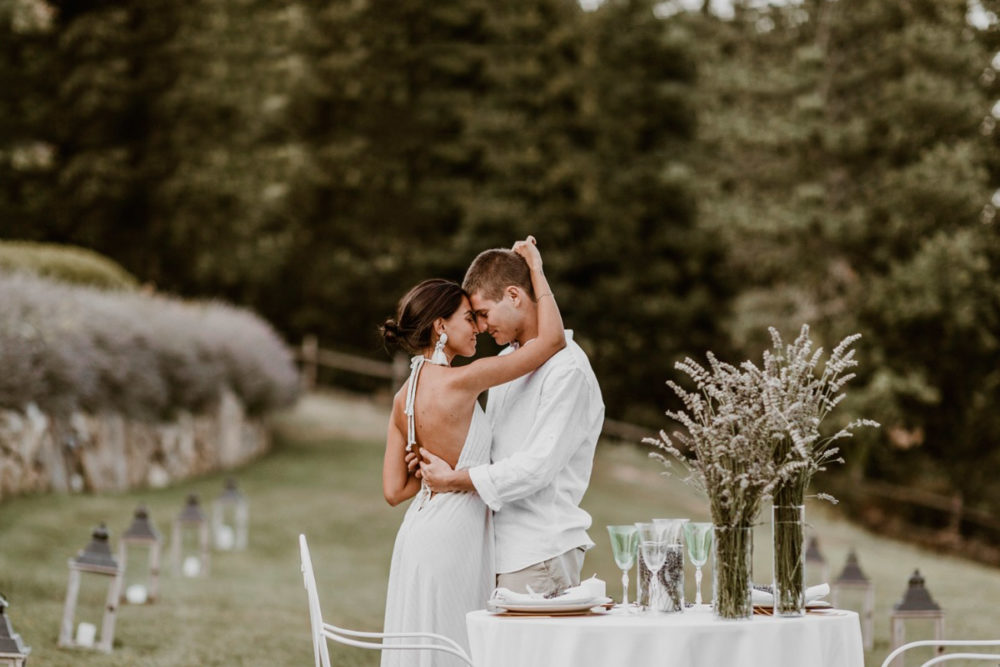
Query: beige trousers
x=550 y=576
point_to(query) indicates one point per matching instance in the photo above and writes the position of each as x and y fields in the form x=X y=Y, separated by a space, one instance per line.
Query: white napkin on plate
x=569 y=596
x=761 y=598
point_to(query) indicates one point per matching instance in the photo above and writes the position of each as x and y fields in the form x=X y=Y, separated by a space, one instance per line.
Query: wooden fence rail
x=313 y=357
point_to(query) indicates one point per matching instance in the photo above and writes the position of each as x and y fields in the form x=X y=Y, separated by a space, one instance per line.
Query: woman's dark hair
x=413 y=327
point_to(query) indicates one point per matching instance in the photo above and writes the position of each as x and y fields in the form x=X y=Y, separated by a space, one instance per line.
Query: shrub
x=67 y=264
x=145 y=356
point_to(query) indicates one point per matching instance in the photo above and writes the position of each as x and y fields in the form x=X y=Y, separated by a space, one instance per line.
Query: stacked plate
x=560 y=605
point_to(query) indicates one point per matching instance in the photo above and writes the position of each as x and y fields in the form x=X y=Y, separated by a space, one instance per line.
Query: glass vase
x=732 y=562
x=671 y=575
x=643 y=582
x=788 y=523
x=669 y=595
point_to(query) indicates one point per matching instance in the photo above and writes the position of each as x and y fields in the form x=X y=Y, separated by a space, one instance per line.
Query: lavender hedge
x=145 y=356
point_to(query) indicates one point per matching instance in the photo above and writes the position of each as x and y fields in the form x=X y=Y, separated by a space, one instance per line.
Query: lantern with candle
x=141 y=536
x=92 y=568
x=189 y=540
x=230 y=516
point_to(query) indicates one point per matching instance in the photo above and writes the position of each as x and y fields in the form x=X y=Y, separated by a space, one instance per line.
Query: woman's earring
x=439 y=356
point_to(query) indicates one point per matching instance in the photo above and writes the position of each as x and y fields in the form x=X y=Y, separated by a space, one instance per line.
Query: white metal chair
x=988 y=657
x=322 y=631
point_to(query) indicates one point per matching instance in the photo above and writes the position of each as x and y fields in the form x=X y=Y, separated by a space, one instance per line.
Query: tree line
x=693 y=178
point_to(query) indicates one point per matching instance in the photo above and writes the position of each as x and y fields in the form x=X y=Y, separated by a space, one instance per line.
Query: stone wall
x=106 y=452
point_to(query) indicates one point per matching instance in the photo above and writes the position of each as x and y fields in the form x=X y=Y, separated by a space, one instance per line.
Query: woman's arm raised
x=485 y=373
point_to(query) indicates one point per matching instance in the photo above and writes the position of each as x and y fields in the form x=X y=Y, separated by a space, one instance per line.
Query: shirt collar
x=569 y=336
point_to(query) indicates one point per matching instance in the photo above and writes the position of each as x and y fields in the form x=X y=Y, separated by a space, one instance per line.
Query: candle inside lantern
x=192 y=566
x=136 y=594
x=85 y=633
x=225 y=537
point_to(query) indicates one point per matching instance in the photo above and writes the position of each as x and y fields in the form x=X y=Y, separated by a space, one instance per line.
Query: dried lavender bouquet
x=796 y=400
x=726 y=449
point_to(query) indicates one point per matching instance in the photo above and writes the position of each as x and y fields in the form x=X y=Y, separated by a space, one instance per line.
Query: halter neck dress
x=442 y=562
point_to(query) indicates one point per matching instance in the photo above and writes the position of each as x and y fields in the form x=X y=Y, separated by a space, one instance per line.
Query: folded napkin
x=765 y=598
x=569 y=596
x=506 y=595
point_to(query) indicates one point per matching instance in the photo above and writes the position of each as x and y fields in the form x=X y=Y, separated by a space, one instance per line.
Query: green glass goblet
x=699 y=543
x=624 y=545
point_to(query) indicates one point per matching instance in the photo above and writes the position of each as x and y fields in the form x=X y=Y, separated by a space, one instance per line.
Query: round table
x=694 y=638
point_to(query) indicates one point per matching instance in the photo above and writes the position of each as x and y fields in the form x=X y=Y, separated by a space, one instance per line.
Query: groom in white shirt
x=545 y=430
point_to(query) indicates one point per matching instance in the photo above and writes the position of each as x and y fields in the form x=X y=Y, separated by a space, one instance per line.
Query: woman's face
x=461 y=330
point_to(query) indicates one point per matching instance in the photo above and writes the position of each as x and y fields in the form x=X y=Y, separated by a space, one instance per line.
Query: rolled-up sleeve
x=558 y=428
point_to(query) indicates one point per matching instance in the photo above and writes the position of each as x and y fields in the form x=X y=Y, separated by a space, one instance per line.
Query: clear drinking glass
x=624 y=545
x=699 y=544
x=654 y=553
x=672 y=572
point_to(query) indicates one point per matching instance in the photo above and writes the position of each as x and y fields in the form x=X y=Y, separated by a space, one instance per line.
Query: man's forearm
x=458 y=480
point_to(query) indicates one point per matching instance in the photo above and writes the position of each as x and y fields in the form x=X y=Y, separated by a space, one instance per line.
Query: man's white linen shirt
x=545 y=429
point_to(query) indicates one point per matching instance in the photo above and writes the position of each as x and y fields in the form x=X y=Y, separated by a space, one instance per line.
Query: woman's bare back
x=442 y=414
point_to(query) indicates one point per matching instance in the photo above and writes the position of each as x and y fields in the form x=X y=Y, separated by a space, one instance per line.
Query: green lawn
x=323 y=479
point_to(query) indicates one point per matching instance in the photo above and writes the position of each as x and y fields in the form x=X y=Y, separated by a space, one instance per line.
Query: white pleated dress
x=442 y=563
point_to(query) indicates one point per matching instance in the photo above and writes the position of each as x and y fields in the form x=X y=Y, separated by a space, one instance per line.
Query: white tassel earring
x=439 y=356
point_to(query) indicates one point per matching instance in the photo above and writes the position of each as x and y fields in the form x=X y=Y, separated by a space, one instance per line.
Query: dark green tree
x=27 y=113
x=382 y=112
x=640 y=276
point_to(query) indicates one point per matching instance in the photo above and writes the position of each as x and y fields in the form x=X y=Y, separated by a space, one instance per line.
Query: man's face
x=499 y=319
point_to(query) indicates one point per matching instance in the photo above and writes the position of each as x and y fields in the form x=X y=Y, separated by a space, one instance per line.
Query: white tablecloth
x=694 y=638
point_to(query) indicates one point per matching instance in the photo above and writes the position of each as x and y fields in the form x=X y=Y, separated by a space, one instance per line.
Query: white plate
x=550 y=605
x=815 y=604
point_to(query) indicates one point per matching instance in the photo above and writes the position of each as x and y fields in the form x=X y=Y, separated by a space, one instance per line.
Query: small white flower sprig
x=728 y=433
x=797 y=400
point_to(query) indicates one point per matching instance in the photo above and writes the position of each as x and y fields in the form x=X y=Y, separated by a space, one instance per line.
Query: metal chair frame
x=322 y=631
x=991 y=657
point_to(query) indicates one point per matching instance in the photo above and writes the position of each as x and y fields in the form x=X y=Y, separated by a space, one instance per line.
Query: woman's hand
x=529 y=252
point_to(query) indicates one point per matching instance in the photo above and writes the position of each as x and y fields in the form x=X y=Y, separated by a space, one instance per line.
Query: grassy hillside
x=323 y=479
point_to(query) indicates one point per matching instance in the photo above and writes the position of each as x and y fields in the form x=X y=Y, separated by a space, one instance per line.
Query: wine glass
x=699 y=542
x=654 y=553
x=624 y=544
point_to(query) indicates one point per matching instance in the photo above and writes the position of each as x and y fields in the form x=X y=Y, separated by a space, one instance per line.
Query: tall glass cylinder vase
x=732 y=563
x=788 y=524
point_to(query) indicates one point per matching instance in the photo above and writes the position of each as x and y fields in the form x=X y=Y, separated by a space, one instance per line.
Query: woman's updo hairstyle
x=413 y=328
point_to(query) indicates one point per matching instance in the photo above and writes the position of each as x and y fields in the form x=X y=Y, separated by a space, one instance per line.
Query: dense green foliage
x=66 y=264
x=691 y=178
x=846 y=161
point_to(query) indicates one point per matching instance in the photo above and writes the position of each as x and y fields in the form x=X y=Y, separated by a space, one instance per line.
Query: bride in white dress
x=442 y=563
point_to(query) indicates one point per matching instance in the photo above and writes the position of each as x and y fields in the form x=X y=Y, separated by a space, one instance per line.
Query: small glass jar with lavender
x=668 y=594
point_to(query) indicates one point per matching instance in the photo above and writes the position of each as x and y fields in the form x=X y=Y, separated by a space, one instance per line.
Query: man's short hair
x=494 y=270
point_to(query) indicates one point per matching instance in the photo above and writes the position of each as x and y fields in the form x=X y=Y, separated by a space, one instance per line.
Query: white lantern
x=190 y=527
x=94 y=559
x=13 y=652
x=916 y=605
x=142 y=534
x=230 y=516
x=853 y=580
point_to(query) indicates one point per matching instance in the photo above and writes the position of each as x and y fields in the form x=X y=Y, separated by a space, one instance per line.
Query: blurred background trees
x=692 y=177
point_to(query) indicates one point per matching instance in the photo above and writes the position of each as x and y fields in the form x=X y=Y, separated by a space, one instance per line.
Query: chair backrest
x=322 y=631
x=939 y=644
x=320 y=651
